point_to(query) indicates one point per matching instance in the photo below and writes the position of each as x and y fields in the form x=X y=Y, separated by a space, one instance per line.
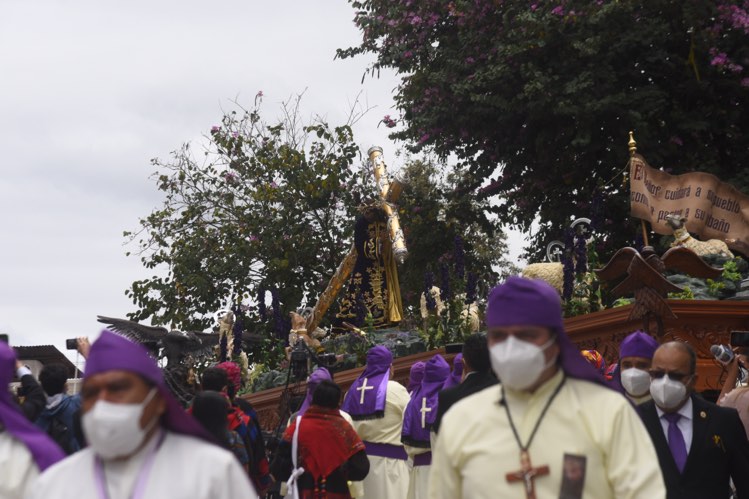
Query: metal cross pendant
x=527 y=474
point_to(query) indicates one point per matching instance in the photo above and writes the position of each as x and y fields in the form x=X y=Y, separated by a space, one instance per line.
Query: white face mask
x=667 y=393
x=635 y=381
x=518 y=363
x=113 y=430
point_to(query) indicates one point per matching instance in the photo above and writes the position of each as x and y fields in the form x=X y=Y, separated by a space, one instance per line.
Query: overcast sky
x=90 y=91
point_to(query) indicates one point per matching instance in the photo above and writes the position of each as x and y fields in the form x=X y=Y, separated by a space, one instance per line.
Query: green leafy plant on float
x=449 y=313
x=728 y=283
x=622 y=302
x=432 y=331
x=687 y=294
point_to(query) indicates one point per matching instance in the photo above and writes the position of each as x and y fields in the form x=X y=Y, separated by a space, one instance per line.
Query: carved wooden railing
x=701 y=323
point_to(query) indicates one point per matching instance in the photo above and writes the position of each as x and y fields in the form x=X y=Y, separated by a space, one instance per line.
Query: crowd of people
x=521 y=413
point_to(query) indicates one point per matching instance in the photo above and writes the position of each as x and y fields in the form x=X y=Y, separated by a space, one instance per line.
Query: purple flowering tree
x=536 y=98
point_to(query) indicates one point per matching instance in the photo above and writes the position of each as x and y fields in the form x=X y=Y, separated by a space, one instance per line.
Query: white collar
x=685 y=411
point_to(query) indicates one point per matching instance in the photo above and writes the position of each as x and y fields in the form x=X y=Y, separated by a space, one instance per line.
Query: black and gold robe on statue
x=373 y=284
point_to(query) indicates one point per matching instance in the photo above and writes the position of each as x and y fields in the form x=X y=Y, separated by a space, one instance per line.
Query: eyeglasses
x=676 y=376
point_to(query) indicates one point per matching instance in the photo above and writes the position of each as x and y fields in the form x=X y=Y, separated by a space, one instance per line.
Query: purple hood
x=43 y=449
x=521 y=301
x=112 y=352
x=365 y=398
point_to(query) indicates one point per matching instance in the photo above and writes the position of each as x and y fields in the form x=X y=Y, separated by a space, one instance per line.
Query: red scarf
x=236 y=417
x=326 y=441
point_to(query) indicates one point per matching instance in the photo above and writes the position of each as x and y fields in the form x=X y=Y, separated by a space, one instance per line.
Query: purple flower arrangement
x=445 y=289
x=459 y=256
x=471 y=288
x=262 y=311
x=278 y=322
x=568 y=266
x=237 y=331
x=581 y=254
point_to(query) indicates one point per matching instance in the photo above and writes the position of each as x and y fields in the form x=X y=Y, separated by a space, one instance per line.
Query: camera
x=326 y=359
x=301 y=359
x=71 y=344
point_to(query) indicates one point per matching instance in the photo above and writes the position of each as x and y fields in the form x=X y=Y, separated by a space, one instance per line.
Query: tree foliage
x=448 y=231
x=265 y=207
x=269 y=211
x=536 y=98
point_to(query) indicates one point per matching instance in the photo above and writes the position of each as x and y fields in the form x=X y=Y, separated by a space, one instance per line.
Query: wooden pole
x=328 y=296
x=632 y=151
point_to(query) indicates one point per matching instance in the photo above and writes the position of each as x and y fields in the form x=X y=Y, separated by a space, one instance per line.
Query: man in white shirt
x=141 y=442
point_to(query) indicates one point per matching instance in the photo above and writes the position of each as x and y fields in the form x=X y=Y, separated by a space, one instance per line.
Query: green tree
x=436 y=212
x=536 y=98
x=263 y=207
x=272 y=207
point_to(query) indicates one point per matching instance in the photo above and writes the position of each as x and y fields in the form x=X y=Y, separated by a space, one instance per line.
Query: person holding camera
x=734 y=394
x=25 y=450
x=30 y=395
x=61 y=417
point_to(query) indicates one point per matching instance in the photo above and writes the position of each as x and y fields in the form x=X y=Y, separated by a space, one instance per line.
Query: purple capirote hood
x=112 y=352
x=368 y=402
x=519 y=301
x=424 y=399
x=42 y=448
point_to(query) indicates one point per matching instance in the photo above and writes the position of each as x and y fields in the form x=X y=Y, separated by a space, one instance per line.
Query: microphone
x=722 y=353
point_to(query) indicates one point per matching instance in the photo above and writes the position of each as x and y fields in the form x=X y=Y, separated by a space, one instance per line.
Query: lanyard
x=540 y=418
x=140 y=484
